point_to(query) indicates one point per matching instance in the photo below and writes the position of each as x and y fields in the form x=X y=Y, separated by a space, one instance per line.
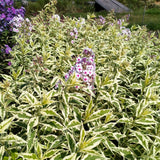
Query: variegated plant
x=116 y=119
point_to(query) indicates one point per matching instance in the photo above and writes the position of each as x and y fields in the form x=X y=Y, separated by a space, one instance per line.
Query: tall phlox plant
x=84 y=69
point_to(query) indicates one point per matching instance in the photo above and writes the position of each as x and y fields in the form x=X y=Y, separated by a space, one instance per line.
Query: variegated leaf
x=32 y=123
x=97 y=115
x=13 y=139
x=70 y=157
x=30 y=139
x=94 y=157
x=125 y=152
x=146 y=121
x=71 y=142
x=73 y=123
x=50 y=153
x=5 y=124
x=49 y=112
x=88 y=109
x=90 y=144
x=2 y=150
x=28 y=156
x=142 y=140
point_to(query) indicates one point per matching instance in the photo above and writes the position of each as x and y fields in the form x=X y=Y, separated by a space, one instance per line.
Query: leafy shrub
x=117 y=119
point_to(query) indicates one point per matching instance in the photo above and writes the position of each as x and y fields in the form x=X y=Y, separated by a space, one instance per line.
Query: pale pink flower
x=75 y=30
x=79 y=69
x=77 y=87
x=90 y=73
x=85 y=79
x=89 y=67
x=66 y=76
x=15 y=30
x=85 y=72
x=78 y=75
x=78 y=59
x=71 y=33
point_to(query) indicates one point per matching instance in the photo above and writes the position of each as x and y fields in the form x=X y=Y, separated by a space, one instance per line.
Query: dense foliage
x=44 y=115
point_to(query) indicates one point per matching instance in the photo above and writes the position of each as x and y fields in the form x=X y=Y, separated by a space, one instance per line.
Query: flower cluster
x=7 y=49
x=102 y=20
x=56 y=17
x=7 y=13
x=18 y=21
x=74 y=34
x=84 y=69
x=123 y=30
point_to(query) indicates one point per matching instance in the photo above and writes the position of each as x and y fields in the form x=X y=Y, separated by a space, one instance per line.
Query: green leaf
x=146 y=121
x=50 y=138
x=98 y=81
x=28 y=156
x=82 y=136
x=141 y=107
x=54 y=80
x=98 y=114
x=15 y=75
x=103 y=128
x=142 y=140
x=73 y=123
x=32 y=123
x=125 y=120
x=88 y=109
x=136 y=86
x=57 y=157
x=49 y=112
x=38 y=90
x=66 y=99
x=47 y=97
x=118 y=136
x=30 y=98
x=57 y=125
x=117 y=105
x=30 y=139
x=71 y=142
x=14 y=139
x=50 y=153
x=38 y=149
x=78 y=97
x=24 y=116
x=2 y=113
x=107 y=81
x=108 y=144
x=94 y=157
x=70 y=157
x=124 y=152
x=2 y=150
x=91 y=143
x=7 y=77
x=5 y=124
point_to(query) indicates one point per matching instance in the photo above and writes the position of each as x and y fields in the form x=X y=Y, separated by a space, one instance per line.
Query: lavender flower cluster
x=84 y=69
x=123 y=30
x=7 y=13
x=74 y=34
x=18 y=21
x=102 y=20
